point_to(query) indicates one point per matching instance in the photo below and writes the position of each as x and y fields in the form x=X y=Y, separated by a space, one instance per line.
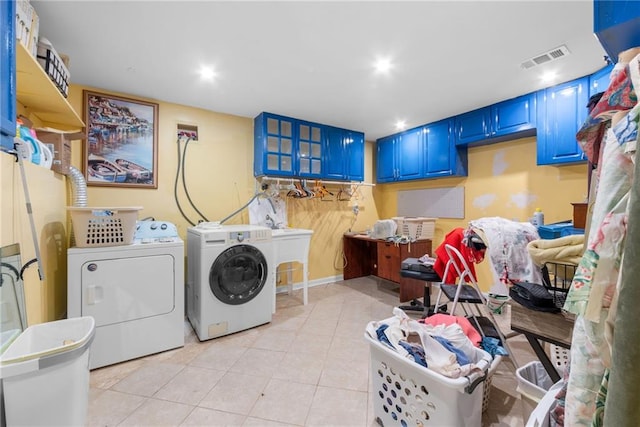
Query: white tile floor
x=308 y=367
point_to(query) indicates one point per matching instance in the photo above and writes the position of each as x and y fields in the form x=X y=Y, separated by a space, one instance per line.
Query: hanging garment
x=454 y=238
x=598 y=275
x=600 y=263
x=619 y=96
x=507 y=248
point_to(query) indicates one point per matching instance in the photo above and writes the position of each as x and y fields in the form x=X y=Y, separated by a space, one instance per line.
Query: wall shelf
x=39 y=95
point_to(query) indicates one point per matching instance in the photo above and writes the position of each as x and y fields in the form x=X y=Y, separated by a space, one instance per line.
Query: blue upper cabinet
x=354 y=153
x=442 y=157
x=599 y=81
x=343 y=154
x=288 y=147
x=273 y=145
x=491 y=124
x=616 y=24
x=386 y=169
x=423 y=152
x=562 y=110
x=7 y=74
x=473 y=126
x=410 y=152
x=400 y=156
x=513 y=116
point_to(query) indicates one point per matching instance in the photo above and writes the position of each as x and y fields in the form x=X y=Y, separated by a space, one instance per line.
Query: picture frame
x=121 y=141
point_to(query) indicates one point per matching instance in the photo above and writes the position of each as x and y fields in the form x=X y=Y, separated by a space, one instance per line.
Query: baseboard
x=312 y=283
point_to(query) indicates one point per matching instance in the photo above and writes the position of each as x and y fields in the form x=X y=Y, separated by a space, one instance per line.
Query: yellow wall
x=504 y=181
x=47 y=299
x=220 y=180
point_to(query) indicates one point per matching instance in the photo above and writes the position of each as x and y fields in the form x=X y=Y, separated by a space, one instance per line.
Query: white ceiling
x=313 y=60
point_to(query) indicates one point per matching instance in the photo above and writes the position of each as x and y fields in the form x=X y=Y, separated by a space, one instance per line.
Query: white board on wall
x=432 y=202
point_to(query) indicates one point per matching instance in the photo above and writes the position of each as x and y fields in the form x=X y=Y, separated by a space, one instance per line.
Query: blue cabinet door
x=561 y=112
x=274 y=145
x=472 y=126
x=7 y=74
x=309 y=145
x=599 y=81
x=344 y=154
x=515 y=115
x=354 y=153
x=410 y=154
x=616 y=24
x=440 y=149
x=386 y=170
x=334 y=161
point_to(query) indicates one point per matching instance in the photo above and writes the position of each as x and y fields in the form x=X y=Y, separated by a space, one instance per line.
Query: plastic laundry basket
x=533 y=384
x=45 y=373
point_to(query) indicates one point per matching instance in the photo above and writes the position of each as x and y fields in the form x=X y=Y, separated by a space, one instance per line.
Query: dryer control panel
x=153 y=231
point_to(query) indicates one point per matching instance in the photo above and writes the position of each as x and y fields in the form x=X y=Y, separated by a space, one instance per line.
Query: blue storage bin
x=554 y=231
x=571 y=230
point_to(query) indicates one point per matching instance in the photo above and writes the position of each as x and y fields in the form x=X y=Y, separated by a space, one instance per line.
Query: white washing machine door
x=238 y=274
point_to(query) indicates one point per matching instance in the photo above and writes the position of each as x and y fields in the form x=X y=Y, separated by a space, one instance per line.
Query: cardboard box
x=59 y=142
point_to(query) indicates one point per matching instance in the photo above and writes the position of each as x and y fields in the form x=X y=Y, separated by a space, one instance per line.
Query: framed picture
x=121 y=141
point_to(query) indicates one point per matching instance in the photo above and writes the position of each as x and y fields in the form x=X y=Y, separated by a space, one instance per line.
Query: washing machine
x=134 y=292
x=230 y=278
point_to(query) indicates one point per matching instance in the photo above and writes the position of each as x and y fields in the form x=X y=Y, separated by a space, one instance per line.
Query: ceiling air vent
x=549 y=56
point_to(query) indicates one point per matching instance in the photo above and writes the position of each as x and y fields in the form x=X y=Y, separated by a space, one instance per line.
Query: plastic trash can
x=533 y=384
x=45 y=374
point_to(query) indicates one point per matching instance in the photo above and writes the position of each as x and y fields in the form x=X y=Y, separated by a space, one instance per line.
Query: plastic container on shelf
x=538 y=217
x=45 y=373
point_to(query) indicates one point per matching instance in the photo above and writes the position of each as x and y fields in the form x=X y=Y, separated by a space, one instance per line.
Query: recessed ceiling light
x=549 y=77
x=401 y=125
x=383 y=65
x=207 y=73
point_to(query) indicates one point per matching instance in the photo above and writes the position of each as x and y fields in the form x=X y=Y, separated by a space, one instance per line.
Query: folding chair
x=467 y=291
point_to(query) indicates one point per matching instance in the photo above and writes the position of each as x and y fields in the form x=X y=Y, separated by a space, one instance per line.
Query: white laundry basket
x=408 y=394
x=45 y=374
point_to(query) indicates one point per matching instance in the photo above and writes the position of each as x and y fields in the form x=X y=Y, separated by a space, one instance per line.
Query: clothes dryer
x=230 y=278
x=134 y=292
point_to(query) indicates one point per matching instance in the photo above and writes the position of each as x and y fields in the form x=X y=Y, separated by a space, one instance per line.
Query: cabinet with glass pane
x=310 y=137
x=273 y=145
x=288 y=147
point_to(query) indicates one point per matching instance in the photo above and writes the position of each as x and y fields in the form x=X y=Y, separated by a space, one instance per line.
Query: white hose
x=79 y=186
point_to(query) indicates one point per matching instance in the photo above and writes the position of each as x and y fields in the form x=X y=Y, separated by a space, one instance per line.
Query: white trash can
x=45 y=374
x=533 y=384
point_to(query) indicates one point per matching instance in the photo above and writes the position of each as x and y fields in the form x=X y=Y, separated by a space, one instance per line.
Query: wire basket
x=99 y=227
x=408 y=394
x=557 y=278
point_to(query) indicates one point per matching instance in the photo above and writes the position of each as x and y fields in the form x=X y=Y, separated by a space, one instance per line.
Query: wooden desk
x=366 y=256
x=538 y=326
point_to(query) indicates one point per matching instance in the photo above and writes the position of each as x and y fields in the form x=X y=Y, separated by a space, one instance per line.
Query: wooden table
x=538 y=326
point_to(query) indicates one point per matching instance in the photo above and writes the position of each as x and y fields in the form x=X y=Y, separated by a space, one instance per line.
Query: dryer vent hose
x=79 y=186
